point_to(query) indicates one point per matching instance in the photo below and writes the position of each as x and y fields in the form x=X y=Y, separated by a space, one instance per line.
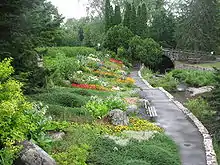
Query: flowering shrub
x=129 y=81
x=116 y=61
x=88 y=86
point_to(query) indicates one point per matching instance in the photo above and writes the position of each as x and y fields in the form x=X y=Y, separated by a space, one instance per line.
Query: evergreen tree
x=112 y=16
x=163 y=26
x=134 y=19
x=198 y=27
x=139 y=22
x=117 y=16
x=24 y=26
x=107 y=15
x=127 y=16
x=88 y=38
x=81 y=34
x=144 y=20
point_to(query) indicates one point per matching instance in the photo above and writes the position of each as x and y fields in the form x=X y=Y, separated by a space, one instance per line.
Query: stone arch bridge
x=187 y=56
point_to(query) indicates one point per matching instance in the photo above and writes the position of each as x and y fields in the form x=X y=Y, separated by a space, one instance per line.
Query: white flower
x=79 y=72
x=116 y=88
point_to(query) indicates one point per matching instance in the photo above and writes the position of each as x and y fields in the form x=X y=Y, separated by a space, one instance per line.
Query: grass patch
x=160 y=150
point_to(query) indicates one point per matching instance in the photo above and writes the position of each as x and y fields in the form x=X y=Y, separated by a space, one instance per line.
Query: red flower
x=87 y=86
x=116 y=61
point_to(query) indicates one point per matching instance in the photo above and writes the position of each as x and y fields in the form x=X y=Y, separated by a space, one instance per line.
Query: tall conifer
x=107 y=15
x=133 y=21
x=117 y=16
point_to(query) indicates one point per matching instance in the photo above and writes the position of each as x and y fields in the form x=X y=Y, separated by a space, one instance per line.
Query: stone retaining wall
x=192 y=67
x=207 y=139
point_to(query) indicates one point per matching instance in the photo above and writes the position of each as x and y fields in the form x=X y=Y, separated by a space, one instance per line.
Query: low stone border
x=139 y=74
x=207 y=139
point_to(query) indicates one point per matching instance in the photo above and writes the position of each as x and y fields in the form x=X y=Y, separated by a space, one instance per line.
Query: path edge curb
x=207 y=139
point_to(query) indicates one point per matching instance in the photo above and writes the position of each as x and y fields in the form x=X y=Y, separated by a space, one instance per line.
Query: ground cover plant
x=194 y=78
x=170 y=80
x=77 y=150
x=160 y=150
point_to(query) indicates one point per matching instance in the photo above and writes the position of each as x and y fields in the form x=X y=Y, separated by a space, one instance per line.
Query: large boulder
x=32 y=154
x=132 y=109
x=118 y=117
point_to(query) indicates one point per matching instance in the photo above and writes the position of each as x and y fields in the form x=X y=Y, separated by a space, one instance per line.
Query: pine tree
x=117 y=16
x=133 y=19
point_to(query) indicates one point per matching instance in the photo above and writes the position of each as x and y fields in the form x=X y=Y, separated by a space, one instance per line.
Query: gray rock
x=118 y=117
x=32 y=154
x=56 y=136
x=181 y=87
x=66 y=82
x=197 y=91
x=132 y=109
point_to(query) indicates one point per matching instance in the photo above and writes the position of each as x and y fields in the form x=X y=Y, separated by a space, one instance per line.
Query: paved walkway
x=176 y=125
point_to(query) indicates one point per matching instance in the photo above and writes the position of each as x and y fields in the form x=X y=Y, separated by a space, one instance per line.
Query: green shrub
x=147 y=51
x=62 y=113
x=99 y=107
x=73 y=156
x=60 y=68
x=61 y=98
x=168 y=82
x=158 y=151
x=19 y=120
x=75 y=147
x=194 y=78
x=116 y=37
x=68 y=51
x=201 y=109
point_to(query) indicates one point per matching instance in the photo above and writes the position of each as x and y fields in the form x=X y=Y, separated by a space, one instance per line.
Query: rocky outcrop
x=197 y=91
x=118 y=117
x=32 y=154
